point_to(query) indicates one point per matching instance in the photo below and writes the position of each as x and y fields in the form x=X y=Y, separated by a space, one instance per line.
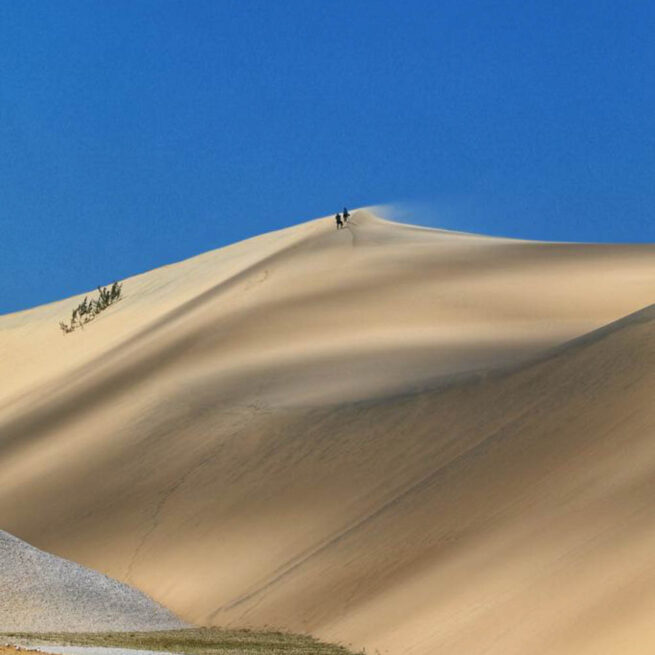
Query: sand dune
x=41 y=593
x=383 y=435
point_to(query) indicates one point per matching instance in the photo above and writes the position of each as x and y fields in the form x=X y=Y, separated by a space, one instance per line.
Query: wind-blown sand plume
x=42 y=593
x=365 y=434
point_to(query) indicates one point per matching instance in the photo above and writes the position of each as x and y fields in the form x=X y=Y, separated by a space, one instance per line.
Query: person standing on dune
x=346 y=215
x=337 y=218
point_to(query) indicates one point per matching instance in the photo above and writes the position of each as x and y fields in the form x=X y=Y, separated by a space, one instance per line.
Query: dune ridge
x=412 y=440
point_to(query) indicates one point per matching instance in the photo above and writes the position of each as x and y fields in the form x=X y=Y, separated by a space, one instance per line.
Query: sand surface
x=12 y=650
x=375 y=435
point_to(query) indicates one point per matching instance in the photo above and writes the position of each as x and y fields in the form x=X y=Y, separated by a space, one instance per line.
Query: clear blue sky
x=136 y=133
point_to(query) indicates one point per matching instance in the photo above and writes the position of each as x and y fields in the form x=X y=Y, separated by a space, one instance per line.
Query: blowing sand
x=376 y=435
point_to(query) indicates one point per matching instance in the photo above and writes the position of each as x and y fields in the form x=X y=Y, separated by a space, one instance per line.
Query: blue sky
x=136 y=133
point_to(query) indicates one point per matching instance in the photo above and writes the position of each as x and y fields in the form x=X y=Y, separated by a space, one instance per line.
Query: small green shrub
x=87 y=310
x=191 y=641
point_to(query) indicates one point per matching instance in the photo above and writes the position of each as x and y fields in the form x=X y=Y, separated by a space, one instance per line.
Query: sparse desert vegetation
x=194 y=641
x=87 y=310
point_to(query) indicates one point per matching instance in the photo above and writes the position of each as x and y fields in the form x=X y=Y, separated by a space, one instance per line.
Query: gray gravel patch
x=40 y=592
x=92 y=650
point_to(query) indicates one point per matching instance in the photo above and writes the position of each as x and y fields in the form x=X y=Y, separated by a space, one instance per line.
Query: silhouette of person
x=346 y=215
x=339 y=221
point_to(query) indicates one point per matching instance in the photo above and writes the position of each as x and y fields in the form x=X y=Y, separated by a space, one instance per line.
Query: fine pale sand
x=383 y=436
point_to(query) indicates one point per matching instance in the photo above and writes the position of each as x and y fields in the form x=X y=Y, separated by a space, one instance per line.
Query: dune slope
x=382 y=435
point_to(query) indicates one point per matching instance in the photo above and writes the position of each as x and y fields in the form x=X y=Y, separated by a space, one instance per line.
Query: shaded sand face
x=309 y=430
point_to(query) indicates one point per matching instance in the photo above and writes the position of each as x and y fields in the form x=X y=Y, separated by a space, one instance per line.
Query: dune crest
x=384 y=435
